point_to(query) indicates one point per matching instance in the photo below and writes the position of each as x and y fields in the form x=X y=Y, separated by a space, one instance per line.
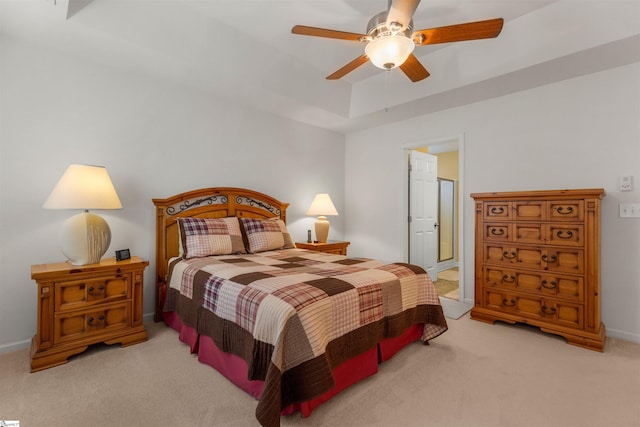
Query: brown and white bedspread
x=294 y=315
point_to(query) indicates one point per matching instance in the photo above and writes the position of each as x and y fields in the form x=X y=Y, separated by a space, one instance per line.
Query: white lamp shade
x=84 y=187
x=389 y=52
x=322 y=205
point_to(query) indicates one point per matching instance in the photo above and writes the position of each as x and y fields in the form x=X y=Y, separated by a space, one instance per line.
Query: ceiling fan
x=390 y=39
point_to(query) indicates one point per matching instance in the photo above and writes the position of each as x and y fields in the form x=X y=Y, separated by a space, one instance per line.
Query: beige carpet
x=474 y=375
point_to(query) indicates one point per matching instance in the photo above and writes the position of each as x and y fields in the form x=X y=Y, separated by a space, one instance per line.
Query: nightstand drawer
x=78 y=294
x=76 y=325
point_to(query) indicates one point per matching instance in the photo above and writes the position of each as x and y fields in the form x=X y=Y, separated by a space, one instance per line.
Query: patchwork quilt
x=294 y=315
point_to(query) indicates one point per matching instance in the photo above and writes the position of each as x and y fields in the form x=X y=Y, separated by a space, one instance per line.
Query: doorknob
x=436 y=225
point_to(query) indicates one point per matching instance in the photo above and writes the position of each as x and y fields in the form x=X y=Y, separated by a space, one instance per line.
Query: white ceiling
x=244 y=50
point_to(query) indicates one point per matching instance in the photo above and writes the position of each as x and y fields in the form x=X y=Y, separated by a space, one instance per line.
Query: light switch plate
x=629 y=210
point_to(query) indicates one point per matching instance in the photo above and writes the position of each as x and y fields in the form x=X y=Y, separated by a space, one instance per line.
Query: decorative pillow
x=266 y=234
x=200 y=237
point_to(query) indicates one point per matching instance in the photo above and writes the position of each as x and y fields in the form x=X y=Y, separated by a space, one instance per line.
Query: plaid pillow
x=266 y=234
x=200 y=237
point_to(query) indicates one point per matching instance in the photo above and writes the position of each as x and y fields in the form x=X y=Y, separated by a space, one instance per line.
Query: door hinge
x=409 y=218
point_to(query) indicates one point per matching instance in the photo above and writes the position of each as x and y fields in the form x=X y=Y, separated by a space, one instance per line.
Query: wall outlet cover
x=625 y=183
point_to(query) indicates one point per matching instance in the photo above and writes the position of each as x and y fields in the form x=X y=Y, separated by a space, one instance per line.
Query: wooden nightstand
x=79 y=305
x=331 y=247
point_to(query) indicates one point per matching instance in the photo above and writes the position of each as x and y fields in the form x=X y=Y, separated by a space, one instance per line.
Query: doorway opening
x=447 y=272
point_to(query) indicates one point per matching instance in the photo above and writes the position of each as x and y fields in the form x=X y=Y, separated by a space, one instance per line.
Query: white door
x=423 y=211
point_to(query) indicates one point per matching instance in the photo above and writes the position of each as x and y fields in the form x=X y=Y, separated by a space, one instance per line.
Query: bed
x=291 y=327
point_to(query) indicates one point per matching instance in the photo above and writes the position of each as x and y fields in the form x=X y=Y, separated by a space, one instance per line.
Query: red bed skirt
x=345 y=375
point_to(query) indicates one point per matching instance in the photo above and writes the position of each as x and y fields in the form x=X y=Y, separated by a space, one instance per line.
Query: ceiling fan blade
x=348 y=68
x=401 y=12
x=461 y=32
x=321 y=32
x=414 y=69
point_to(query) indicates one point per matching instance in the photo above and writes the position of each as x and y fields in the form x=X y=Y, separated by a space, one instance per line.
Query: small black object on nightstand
x=122 y=254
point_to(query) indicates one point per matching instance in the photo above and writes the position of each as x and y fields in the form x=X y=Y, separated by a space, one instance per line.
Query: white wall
x=155 y=139
x=580 y=133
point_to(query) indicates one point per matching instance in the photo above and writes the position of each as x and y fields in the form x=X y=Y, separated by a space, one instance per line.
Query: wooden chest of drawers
x=83 y=305
x=537 y=261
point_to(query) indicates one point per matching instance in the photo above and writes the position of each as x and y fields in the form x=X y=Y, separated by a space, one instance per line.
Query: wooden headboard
x=217 y=202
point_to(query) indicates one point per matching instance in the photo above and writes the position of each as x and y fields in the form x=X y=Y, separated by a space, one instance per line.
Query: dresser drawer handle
x=551 y=258
x=561 y=210
x=562 y=234
x=91 y=290
x=508 y=279
x=548 y=310
x=497 y=231
x=546 y=284
x=90 y=320
x=509 y=302
x=497 y=210
x=509 y=255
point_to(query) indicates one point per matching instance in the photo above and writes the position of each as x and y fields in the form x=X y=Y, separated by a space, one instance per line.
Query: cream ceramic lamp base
x=322 y=229
x=85 y=238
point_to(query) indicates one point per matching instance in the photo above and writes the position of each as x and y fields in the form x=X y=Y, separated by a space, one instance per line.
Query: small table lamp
x=321 y=206
x=85 y=237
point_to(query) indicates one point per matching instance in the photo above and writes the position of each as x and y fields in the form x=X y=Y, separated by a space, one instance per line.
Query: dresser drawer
x=529 y=232
x=566 y=210
x=557 y=259
x=497 y=210
x=560 y=286
x=565 y=234
x=71 y=326
x=498 y=231
x=559 y=312
x=77 y=294
x=529 y=210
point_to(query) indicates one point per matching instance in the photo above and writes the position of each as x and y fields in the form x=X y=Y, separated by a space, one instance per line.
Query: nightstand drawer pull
x=90 y=320
x=101 y=290
x=497 y=210
x=509 y=255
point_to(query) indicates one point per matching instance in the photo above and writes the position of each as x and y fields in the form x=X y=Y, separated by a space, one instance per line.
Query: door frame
x=466 y=286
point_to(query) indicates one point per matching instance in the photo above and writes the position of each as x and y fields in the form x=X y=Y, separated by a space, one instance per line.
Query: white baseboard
x=14 y=346
x=614 y=333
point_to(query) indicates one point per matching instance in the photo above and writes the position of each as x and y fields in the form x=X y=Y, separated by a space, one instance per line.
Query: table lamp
x=85 y=237
x=322 y=206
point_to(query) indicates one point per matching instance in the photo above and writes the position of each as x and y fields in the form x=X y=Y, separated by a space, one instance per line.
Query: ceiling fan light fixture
x=389 y=51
